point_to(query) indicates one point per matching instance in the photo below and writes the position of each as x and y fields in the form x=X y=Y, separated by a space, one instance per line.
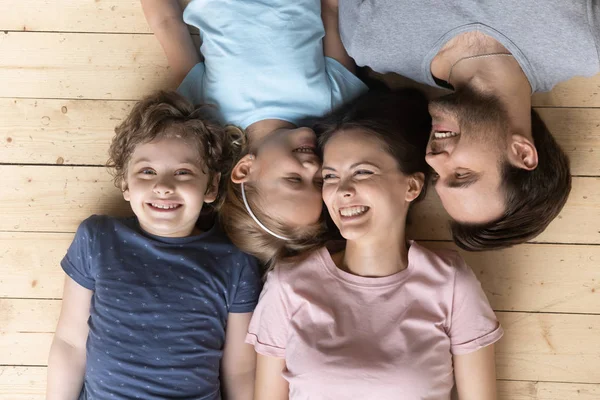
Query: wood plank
x=549 y=347
x=536 y=347
x=30 y=264
x=523 y=390
x=57 y=199
x=579 y=221
x=538 y=277
x=58 y=131
x=88 y=66
x=29 y=315
x=79 y=132
x=123 y=16
x=576 y=92
x=22 y=383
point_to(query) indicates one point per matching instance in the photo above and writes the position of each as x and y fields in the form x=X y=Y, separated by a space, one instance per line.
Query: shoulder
x=307 y=267
x=445 y=263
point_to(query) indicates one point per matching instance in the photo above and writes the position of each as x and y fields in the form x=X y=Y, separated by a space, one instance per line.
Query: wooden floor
x=69 y=72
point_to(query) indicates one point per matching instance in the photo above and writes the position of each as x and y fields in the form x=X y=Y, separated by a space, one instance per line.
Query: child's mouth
x=164 y=207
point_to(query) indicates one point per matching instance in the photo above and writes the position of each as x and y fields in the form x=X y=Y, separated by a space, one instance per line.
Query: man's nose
x=439 y=162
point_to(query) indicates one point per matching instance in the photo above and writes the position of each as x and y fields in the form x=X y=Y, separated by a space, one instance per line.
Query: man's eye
x=461 y=175
x=294 y=179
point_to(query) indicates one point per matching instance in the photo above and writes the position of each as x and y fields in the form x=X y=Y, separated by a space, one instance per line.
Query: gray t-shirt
x=552 y=40
x=159 y=310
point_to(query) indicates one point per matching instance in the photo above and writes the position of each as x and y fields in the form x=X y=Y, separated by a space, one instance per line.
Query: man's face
x=467 y=147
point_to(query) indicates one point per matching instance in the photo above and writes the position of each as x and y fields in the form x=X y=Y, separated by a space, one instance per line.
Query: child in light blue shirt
x=269 y=66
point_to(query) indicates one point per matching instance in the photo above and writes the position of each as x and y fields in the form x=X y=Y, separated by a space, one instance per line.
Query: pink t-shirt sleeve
x=268 y=330
x=473 y=322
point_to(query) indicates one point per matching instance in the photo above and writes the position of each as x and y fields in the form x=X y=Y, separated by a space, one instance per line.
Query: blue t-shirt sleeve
x=345 y=86
x=191 y=87
x=248 y=286
x=78 y=262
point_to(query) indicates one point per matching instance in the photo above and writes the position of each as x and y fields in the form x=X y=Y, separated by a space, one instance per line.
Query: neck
x=261 y=129
x=382 y=257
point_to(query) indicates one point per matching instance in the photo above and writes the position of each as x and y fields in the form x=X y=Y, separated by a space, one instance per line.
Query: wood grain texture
x=77 y=66
x=112 y=16
x=58 y=131
x=30 y=264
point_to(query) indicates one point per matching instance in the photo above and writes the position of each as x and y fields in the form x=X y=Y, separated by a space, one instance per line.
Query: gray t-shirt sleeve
x=247 y=287
x=78 y=262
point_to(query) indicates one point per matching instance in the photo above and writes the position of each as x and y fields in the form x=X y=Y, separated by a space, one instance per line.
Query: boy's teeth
x=165 y=206
x=353 y=211
x=305 y=150
x=446 y=134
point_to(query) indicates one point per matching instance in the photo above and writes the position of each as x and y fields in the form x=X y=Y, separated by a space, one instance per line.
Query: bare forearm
x=165 y=19
x=239 y=387
x=332 y=42
x=66 y=369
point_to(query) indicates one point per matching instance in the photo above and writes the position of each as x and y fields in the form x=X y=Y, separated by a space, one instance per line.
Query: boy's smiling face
x=166 y=184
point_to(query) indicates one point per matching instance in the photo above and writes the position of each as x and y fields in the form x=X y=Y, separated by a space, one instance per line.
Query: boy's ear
x=241 y=172
x=125 y=190
x=212 y=191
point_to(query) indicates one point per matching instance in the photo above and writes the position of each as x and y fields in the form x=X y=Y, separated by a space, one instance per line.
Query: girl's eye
x=328 y=177
x=183 y=172
x=147 y=171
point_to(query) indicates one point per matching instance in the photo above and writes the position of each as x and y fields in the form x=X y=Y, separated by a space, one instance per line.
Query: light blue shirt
x=264 y=60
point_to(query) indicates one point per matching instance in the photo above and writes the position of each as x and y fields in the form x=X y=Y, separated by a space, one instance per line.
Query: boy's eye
x=147 y=171
x=183 y=172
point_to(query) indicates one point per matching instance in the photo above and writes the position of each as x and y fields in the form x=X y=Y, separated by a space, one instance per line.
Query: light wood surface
x=71 y=70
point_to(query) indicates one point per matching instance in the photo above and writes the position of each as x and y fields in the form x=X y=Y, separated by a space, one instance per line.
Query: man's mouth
x=444 y=134
x=305 y=150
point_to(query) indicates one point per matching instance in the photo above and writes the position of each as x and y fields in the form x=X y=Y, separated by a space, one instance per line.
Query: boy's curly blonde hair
x=166 y=114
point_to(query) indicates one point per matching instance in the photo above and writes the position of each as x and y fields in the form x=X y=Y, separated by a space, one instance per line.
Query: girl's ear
x=125 y=190
x=241 y=171
x=212 y=190
x=415 y=185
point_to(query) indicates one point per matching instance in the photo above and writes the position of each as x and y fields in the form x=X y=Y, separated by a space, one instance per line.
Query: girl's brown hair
x=245 y=233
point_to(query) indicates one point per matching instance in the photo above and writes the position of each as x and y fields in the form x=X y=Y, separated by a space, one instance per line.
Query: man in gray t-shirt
x=499 y=173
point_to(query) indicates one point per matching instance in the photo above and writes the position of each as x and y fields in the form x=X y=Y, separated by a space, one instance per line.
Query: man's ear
x=241 y=172
x=415 y=185
x=522 y=153
x=212 y=191
x=125 y=190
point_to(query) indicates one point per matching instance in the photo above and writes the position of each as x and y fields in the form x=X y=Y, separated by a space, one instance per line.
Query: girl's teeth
x=165 y=207
x=353 y=211
x=305 y=150
x=443 y=135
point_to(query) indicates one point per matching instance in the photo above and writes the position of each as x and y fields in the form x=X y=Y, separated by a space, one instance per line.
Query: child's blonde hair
x=167 y=114
x=244 y=231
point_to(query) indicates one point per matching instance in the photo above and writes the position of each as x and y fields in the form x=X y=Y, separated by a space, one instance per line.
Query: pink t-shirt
x=349 y=337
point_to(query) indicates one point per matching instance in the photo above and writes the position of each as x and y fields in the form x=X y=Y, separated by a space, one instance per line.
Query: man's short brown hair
x=533 y=198
x=168 y=114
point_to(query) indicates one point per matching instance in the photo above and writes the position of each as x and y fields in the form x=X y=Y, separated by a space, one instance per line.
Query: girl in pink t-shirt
x=384 y=318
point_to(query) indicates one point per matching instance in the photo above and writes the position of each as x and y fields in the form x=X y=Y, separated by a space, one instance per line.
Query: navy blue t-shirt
x=159 y=308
